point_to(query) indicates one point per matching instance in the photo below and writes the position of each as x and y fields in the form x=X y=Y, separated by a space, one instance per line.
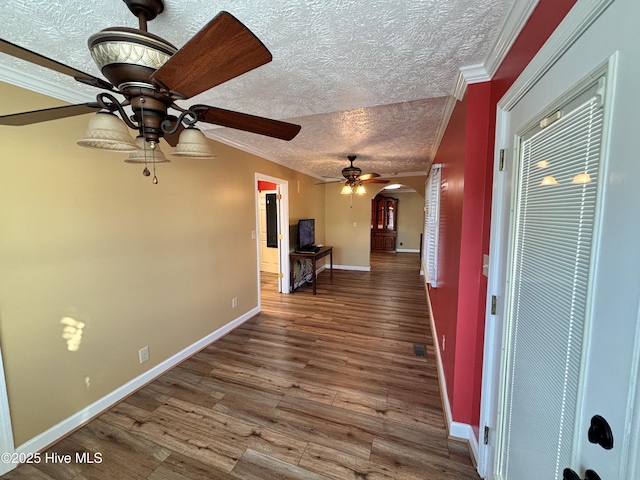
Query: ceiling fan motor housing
x=128 y=57
x=351 y=172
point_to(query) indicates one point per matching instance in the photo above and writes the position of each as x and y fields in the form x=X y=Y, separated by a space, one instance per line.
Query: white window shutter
x=431 y=226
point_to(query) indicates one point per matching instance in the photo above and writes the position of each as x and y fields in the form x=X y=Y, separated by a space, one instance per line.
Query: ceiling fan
x=152 y=74
x=354 y=179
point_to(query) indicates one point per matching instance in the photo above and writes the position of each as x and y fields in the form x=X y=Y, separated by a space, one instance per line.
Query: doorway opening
x=272 y=233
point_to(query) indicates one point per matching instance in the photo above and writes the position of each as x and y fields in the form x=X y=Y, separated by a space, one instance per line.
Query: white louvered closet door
x=548 y=290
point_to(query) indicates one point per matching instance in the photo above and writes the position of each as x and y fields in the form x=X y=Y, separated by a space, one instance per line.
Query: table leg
x=331 y=264
x=313 y=273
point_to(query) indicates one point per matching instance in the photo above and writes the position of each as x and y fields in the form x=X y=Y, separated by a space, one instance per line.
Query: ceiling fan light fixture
x=193 y=143
x=106 y=131
x=360 y=190
x=146 y=154
x=346 y=190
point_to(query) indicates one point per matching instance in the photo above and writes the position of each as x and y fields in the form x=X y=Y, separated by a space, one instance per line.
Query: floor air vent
x=419 y=350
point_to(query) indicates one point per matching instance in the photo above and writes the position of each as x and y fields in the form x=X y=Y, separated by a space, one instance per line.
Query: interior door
x=269 y=261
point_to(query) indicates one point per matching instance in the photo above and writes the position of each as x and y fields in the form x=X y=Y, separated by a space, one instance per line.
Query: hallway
x=314 y=387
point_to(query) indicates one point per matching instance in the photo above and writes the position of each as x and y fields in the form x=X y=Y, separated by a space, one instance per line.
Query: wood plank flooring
x=314 y=387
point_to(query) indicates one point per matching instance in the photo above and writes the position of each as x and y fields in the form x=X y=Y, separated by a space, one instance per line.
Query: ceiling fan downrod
x=145 y=10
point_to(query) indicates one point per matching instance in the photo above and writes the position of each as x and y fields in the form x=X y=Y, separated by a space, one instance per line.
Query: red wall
x=466 y=154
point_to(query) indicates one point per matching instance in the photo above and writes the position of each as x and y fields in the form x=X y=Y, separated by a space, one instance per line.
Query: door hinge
x=494 y=304
x=501 y=165
x=486 y=435
x=279 y=236
x=280 y=275
x=279 y=197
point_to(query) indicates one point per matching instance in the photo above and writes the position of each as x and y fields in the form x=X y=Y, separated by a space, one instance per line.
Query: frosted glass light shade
x=346 y=190
x=193 y=143
x=107 y=132
x=144 y=150
x=360 y=190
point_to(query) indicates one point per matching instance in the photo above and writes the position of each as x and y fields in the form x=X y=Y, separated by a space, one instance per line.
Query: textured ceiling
x=365 y=77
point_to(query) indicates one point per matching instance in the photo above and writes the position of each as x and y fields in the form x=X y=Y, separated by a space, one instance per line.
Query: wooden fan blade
x=248 y=123
x=37 y=59
x=37 y=116
x=222 y=50
x=368 y=176
x=375 y=181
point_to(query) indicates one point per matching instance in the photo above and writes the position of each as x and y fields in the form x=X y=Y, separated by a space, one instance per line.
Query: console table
x=314 y=257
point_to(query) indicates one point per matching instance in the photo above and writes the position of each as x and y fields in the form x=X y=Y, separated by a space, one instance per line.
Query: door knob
x=569 y=474
x=600 y=432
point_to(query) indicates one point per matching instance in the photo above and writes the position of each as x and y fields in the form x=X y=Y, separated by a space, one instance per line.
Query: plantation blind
x=431 y=226
x=548 y=288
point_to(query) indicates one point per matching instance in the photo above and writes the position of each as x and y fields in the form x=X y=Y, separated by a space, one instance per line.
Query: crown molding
x=516 y=19
x=461 y=86
x=446 y=116
x=576 y=22
x=210 y=133
x=38 y=85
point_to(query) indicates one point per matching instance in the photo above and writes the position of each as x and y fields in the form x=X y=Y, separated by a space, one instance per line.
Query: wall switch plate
x=234 y=302
x=143 y=354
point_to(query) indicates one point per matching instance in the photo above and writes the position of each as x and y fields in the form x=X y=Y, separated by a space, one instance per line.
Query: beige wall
x=86 y=236
x=348 y=221
x=410 y=219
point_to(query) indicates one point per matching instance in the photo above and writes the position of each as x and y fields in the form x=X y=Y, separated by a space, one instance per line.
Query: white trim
x=463 y=431
x=475 y=73
x=577 y=21
x=460 y=88
x=513 y=25
x=352 y=267
x=516 y=20
x=442 y=128
x=284 y=283
x=407 y=250
x=493 y=335
x=78 y=419
x=38 y=85
x=457 y=430
x=212 y=134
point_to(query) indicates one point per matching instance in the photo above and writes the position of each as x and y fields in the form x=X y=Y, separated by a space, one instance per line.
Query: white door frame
x=572 y=27
x=282 y=187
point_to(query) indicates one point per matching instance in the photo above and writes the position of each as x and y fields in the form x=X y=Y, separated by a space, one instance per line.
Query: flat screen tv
x=306 y=233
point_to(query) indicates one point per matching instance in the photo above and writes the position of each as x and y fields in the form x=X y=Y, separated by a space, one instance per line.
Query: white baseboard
x=352 y=267
x=462 y=431
x=407 y=250
x=55 y=433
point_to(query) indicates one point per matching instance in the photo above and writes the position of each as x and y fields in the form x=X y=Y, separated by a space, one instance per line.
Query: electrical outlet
x=87 y=381
x=234 y=302
x=143 y=354
x=253 y=234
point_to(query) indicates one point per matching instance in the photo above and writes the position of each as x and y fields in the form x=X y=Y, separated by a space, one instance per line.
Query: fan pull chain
x=152 y=146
